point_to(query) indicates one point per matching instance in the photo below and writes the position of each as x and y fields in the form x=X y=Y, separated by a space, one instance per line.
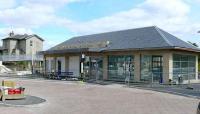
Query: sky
x=59 y=20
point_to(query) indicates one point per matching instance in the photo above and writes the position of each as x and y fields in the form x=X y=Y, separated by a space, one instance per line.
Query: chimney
x=11 y=33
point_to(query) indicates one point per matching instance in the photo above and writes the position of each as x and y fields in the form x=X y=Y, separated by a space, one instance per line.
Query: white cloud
x=33 y=13
x=5 y=4
x=169 y=14
x=50 y=43
x=53 y=3
x=5 y=31
x=166 y=7
x=27 y=16
x=24 y=15
x=195 y=0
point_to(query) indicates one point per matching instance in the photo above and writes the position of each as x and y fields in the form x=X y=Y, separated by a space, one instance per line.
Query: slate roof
x=132 y=39
x=22 y=37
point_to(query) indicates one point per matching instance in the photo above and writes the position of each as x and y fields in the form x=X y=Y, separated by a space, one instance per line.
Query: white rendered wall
x=74 y=65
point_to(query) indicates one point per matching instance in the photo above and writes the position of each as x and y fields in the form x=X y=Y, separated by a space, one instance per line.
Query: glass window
x=47 y=67
x=176 y=65
x=31 y=43
x=151 y=66
x=184 y=66
x=52 y=66
x=184 y=58
x=192 y=58
x=93 y=67
x=120 y=66
x=191 y=64
x=146 y=67
x=176 y=58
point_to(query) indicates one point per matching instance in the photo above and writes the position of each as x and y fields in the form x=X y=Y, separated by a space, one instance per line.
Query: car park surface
x=73 y=97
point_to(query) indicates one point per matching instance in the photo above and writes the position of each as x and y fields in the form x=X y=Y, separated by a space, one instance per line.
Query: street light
x=82 y=57
x=31 y=44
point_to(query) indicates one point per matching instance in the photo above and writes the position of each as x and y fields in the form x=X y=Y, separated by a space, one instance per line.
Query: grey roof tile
x=139 y=38
x=21 y=37
x=174 y=41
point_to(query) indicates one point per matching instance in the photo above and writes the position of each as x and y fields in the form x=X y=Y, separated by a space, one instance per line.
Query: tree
x=194 y=44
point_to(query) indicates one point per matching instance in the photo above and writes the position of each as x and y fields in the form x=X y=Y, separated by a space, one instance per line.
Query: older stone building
x=21 y=49
x=143 y=54
x=22 y=44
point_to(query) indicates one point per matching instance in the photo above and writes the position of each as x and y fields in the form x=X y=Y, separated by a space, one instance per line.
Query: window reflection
x=184 y=65
x=151 y=68
x=120 y=66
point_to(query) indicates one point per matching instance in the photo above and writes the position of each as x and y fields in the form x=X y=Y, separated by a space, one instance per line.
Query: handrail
x=21 y=57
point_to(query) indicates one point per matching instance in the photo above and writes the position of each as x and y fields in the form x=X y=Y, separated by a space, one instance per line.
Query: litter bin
x=180 y=79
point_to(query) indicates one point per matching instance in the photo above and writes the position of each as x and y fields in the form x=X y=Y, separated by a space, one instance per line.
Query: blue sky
x=59 y=20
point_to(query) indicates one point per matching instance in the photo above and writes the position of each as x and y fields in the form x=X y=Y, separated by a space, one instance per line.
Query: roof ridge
x=120 y=30
x=163 y=36
x=177 y=38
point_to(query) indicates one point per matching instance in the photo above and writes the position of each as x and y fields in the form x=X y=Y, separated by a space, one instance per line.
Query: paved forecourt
x=65 y=97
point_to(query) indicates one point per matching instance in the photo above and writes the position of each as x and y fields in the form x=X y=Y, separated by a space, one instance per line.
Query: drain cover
x=28 y=100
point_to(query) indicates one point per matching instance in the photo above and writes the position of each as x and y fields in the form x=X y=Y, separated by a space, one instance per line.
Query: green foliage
x=194 y=44
x=22 y=63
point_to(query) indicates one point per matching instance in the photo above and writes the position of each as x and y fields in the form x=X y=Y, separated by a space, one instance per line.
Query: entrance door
x=129 y=67
x=96 y=65
x=157 y=68
x=120 y=67
x=59 y=67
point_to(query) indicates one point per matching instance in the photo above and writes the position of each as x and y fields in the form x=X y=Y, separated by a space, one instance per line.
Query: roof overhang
x=113 y=50
x=154 y=48
x=187 y=49
x=65 y=51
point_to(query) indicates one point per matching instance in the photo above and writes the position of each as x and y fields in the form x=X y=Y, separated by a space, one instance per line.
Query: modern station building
x=142 y=54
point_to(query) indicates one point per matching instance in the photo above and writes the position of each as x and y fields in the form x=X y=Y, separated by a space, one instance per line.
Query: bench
x=64 y=75
x=61 y=75
x=50 y=75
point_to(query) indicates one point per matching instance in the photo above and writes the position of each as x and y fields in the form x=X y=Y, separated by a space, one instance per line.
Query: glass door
x=120 y=67
x=157 y=68
x=129 y=67
x=93 y=68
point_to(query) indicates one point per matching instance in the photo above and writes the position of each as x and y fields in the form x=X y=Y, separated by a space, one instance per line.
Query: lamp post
x=31 y=45
x=82 y=65
x=82 y=57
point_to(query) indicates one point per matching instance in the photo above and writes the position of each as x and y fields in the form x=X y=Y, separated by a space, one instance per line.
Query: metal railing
x=21 y=57
x=145 y=77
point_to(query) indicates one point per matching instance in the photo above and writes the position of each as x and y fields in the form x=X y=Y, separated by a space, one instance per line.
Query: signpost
x=82 y=65
x=31 y=44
